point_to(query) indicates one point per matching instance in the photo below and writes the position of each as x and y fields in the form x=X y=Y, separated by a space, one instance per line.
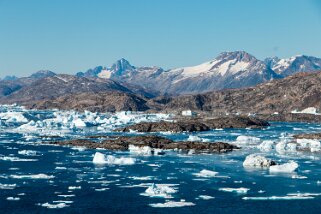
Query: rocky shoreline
x=312 y=136
x=122 y=143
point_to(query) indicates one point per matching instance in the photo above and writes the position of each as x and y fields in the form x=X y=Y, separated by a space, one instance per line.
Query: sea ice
x=266 y=146
x=100 y=158
x=35 y=176
x=206 y=173
x=312 y=145
x=13 y=198
x=172 y=204
x=247 y=140
x=255 y=160
x=159 y=191
x=206 y=197
x=240 y=190
x=28 y=152
x=54 y=206
x=289 y=167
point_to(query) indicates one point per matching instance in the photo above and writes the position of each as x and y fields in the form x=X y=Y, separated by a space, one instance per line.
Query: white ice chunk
x=206 y=173
x=35 y=176
x=247 y=140
x=312 y=145
x=266 y=146
x=159 y=191
x=255 y=160
x=172 y=204
x=289 y=167
x=100 y=158
x=240 y=190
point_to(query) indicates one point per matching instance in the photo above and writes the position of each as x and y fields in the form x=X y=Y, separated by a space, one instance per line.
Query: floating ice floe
x=144 y=150
x=299 y=177
x=100 y=158
x=291 y=196
x=14 y=117
x=206 y=173
x=206 y=197
x=13 y=198
x=28 y=152
x=266 y=146
x=309 y=144
x=159 y=191
x=16 y=159
x=36 y=176
x=247 y=140
x=240 y=190
x=170 y=204
x=74 y=187
x=54 y=206
x=8 y=186
x=255 y=160
x=289 y=167
x=284 y=147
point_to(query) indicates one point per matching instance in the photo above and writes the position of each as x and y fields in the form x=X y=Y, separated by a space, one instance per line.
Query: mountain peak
x=238 y=55
x=121 y=66
x=42 y=74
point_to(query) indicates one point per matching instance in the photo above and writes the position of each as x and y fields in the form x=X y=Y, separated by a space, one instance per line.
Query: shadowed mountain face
x=284 y=95
x=295 y=92
x=62 y=85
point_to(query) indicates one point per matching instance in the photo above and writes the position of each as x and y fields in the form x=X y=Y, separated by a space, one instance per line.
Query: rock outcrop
x=155 y=142
x=192 y=125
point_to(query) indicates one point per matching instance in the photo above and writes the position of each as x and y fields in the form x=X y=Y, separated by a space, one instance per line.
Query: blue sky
x=67 y=36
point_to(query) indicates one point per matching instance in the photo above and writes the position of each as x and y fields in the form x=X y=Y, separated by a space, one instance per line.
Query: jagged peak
x=238 y=55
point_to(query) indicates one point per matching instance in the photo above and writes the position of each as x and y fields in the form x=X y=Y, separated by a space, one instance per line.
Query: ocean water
x=38 y=178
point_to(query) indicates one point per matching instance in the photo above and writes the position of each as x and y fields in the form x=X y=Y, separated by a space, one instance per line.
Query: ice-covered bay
x=172 y=182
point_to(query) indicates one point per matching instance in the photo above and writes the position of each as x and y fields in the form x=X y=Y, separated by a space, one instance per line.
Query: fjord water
x=38 y=178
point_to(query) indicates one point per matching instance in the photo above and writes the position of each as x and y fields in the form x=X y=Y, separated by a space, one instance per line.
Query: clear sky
x=67 y=36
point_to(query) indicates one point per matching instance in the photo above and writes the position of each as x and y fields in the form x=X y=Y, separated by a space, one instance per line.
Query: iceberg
x=144 y=150
x=312 y=145
x=28 y=152
x=266 y=146
x=240 y=190
x=289 y=167
x=36 y=176
x=206 y=197
x=159 y=191
x=13 y=198
x=247 y=140
x=169 y=204
x=255 y=160
x=54 y=206
x=206 y=173
x=100 y=158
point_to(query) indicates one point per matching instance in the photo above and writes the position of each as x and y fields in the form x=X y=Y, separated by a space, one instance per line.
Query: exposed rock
x=154 y=142
x=193 y=125
x=299 y=91
x=308 y=136
x=96 y=102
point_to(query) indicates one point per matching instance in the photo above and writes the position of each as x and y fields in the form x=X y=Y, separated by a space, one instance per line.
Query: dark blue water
x=90 y=188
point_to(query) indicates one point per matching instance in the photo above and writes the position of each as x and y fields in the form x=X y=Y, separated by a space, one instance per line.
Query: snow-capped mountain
x=295 y=64
x=228 y=70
